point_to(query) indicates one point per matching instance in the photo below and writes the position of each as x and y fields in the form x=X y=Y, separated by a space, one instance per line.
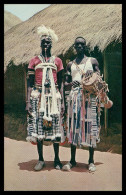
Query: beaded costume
x=45 y=121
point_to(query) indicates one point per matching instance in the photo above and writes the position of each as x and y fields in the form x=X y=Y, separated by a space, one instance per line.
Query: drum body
x=94 y=84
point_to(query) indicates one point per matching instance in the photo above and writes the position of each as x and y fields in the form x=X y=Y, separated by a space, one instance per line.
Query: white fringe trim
x=58 y=95
x=31 y=139
x=85 y=144
x=35 y=94
x=41 y=137
x=54 y=113
x=53 y=137
x=33 y=115
x=58 y=135
x=28 y=139
x=41 y=110
x=49 y=137
x=47 y=118
x=35 y=135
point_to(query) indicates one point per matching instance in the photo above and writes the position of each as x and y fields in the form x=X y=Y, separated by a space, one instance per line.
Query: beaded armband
x=67 y=76
x=30 y=72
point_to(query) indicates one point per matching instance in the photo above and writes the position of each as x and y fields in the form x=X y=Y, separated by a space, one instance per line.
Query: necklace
x=45 y=58
x=82 y=72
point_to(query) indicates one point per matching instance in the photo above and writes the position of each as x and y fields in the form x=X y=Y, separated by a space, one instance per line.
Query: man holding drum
x=83 y=107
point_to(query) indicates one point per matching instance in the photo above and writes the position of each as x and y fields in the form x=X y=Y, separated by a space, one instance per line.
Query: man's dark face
x=79 y=45
x=46 y=44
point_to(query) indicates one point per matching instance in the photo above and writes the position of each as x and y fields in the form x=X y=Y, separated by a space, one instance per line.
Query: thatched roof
x=100 y=24
x=10 y=20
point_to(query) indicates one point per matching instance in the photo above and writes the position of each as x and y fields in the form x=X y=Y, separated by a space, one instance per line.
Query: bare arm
x=68 y=78
x=60 y=79
x=61 y=90
x=30 y=83
x=95 y=64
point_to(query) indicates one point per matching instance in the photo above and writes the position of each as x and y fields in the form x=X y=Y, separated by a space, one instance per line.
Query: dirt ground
x=20 y=158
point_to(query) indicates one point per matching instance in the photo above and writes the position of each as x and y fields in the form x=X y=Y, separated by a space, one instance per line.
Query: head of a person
x=47 y=37
x=46 y=42
x=80 y=45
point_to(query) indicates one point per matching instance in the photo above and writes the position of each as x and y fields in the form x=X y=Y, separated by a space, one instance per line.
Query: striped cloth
x=83 y=124
x=39 y=128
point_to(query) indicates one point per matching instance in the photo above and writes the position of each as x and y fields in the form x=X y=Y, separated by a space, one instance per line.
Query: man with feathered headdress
x=45 y=98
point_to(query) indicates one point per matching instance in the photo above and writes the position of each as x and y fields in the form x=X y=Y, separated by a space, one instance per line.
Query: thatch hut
x=10 y=20
x=99 y=24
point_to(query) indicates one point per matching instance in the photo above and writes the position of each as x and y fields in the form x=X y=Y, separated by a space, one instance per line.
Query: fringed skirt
x=40 y=126
x=83 y=119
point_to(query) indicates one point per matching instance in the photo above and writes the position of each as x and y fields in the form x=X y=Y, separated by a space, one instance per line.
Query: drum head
x=89 y=81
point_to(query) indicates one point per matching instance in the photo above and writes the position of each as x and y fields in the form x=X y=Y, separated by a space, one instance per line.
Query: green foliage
x=15 y=126
x=14 y=84
x=111 y=139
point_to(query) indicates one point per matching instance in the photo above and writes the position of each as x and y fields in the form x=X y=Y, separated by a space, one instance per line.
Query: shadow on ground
x=29 y=166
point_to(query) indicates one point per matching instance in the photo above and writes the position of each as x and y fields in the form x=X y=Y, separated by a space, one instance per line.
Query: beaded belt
x=37 y=86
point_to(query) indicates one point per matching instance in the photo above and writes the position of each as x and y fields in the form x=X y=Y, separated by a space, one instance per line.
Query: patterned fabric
x=39 y=128
x=83 y=124
x=38 y=73
x=83 y=111
x=46 y=120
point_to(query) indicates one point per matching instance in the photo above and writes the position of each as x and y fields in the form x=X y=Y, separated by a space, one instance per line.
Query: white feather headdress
x=43 y=31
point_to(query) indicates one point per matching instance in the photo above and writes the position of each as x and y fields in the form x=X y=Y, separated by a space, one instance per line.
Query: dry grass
x=100 y=24
x=10 y=20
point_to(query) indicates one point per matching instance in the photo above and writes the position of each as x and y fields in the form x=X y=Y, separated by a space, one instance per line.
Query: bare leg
x=73 y=154
x=91 y=155
x=56 y=151
x=57 y=163
x=40 y=164
x=40 y=150
x=72 y=162
x=91 y=167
